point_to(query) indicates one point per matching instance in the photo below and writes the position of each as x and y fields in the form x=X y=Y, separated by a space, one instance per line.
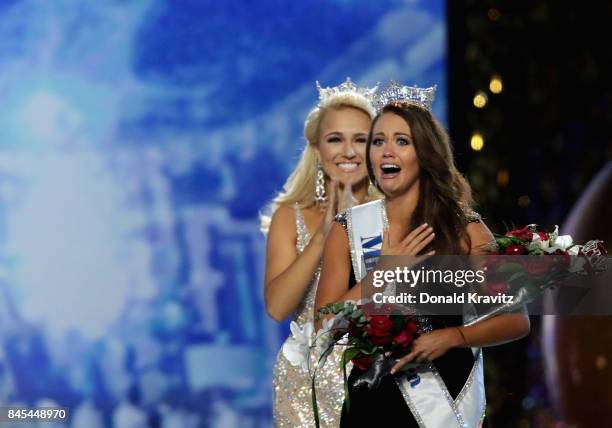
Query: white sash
x=365 y=225
x=426 y=395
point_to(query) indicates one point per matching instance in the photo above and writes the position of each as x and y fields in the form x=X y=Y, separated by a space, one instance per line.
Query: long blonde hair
x=300 y=186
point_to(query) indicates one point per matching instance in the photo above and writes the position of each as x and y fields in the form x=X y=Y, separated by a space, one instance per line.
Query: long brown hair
x=444 y=194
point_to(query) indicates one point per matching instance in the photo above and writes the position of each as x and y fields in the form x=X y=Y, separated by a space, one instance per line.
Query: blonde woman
x=330 y=176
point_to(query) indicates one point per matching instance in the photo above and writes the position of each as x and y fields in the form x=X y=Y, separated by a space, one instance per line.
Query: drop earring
x=320 y=196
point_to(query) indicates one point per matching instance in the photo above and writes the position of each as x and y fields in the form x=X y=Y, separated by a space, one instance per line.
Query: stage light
x=480 y=99
x=524 y=201
x=601 y=362
x=495 y=85
x=477 y=142
x=493 y=14
x=503 y=177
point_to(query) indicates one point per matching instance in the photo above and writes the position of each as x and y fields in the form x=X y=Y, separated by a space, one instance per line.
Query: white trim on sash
x=433 y=406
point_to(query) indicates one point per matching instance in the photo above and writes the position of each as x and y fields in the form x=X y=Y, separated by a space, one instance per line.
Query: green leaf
x=355 y=316
x=516 y=275
x=348 y=355
x=347 y=399
x=369 y=350
x=315 y=407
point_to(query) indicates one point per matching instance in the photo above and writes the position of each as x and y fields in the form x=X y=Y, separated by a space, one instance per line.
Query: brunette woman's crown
x=394 y=94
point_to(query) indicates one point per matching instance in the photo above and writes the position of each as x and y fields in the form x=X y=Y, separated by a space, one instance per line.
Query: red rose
x=353 y=330
x=406 y=335
x=515 y=250
x=537 y=265
x=379 y=330
x=497 y=287
x=362 y=361
x=524 y=233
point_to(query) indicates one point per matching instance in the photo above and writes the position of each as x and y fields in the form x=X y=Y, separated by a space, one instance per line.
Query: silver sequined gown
x=292 y=385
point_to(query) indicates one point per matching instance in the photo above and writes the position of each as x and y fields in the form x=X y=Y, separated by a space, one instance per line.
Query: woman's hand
x=411 y=245
x=430 y=346
x=338 y=200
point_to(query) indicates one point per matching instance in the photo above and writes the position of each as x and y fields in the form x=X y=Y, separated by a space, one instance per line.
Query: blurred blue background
x=138 y=142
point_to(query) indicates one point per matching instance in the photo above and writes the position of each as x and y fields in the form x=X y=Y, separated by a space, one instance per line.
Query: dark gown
x=385 y=406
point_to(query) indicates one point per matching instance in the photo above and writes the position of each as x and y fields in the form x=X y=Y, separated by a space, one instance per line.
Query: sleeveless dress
x=293 y=383
x=388 y=405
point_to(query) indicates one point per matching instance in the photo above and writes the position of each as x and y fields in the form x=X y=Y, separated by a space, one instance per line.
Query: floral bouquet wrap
x=529 y=277
x=371 y=341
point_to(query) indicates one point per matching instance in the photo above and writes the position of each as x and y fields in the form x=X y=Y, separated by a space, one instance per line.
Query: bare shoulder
x=479 y=231
x=283 y=222
x=481 y=238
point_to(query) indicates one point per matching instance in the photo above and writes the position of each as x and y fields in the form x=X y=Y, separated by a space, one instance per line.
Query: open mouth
x=390 y=170
x=348 y=166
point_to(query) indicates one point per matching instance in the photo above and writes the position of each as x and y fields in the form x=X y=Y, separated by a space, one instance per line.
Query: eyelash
x=399 y=141
x=338 y=140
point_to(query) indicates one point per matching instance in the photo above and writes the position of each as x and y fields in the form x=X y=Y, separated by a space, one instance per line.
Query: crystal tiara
x=348 y=87
x=395 y=94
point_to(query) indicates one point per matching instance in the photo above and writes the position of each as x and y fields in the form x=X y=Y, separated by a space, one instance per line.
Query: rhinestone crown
x=347 y=87
x=397 y=95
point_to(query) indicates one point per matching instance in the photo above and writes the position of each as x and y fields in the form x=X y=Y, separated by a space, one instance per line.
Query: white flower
x=563 y=243
x=324 y=338
x=537 y=242
x=296 y=348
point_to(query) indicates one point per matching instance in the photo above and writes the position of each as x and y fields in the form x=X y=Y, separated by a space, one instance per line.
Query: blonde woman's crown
x=394 y=94
x=347 y=87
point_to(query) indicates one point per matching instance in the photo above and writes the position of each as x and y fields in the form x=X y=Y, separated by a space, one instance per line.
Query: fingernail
x=424 y=224
x=392 y=371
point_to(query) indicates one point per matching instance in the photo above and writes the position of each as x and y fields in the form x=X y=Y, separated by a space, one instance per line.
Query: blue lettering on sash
x=371 y=246
x=413 y=378
x=415 y=381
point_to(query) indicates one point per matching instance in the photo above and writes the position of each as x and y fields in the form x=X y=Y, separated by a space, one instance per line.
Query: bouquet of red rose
x=532 y=240
x=528 y=278
x=372 y=341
